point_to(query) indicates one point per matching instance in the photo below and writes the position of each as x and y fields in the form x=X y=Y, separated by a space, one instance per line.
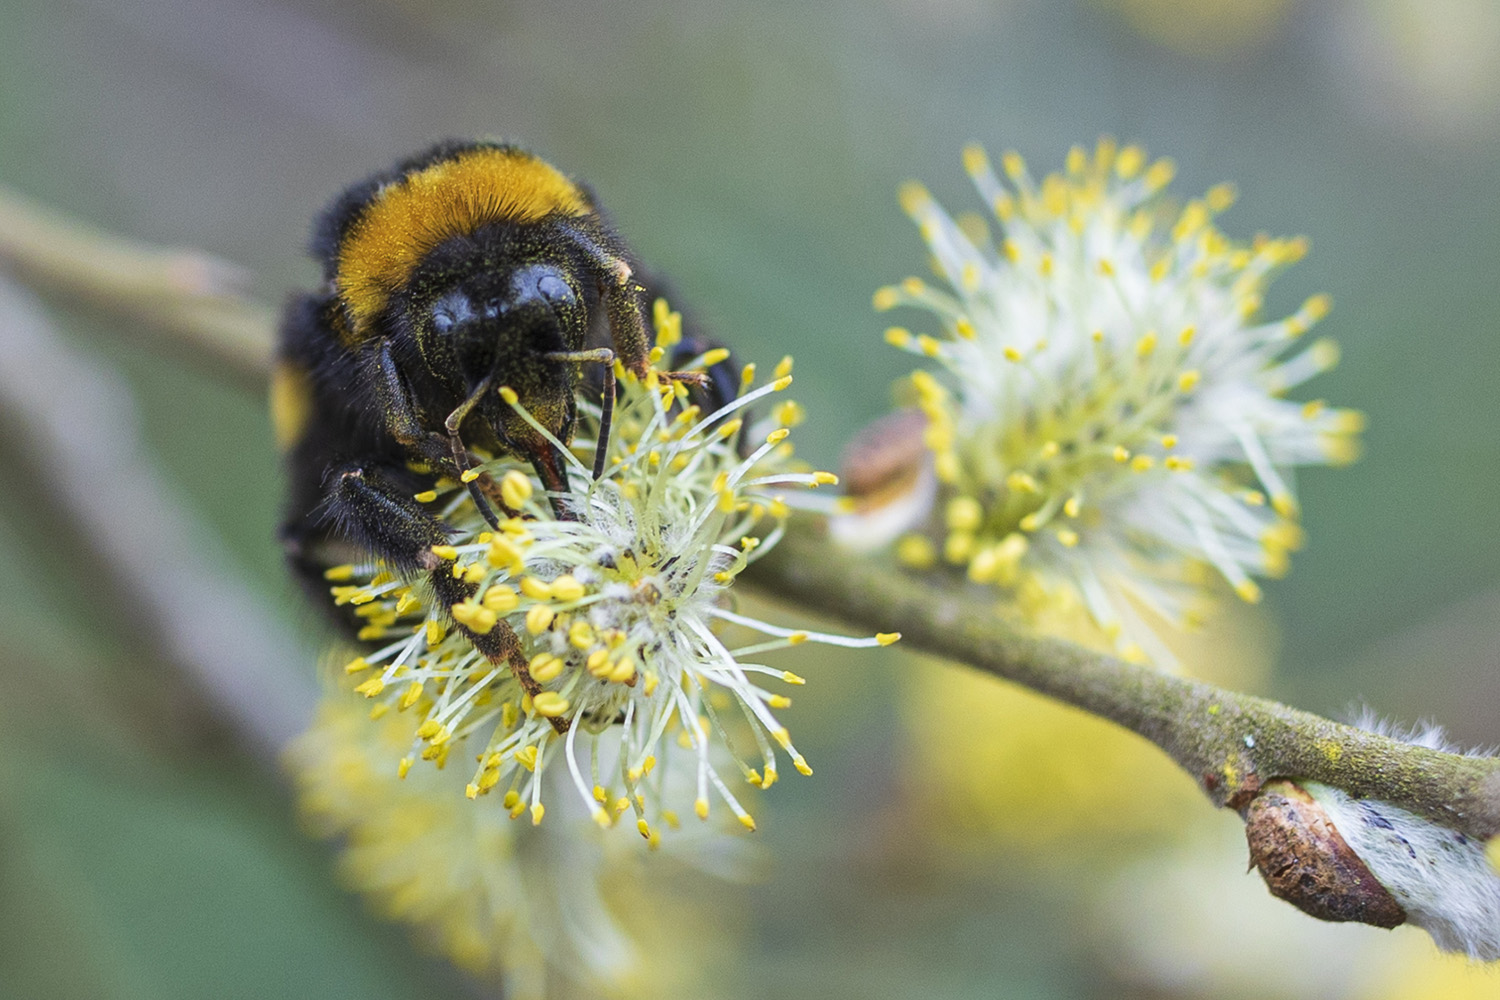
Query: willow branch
x=1231 y=743
x=184 y=301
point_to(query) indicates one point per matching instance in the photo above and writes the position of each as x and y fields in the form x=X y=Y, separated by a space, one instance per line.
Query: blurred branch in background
x=1230 y=743
x=76 y=425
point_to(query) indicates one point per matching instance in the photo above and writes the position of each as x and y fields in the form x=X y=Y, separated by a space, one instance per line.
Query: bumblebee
x=471 y=267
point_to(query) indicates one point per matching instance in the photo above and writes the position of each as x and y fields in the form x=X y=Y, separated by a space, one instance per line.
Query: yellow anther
x=929 y=345
x=1317 y=307
x=1188 y=380
x=958 y=547
x=1021 y=482
x=404 y=765
x=886 y=298
x=778 y=701
x=426 y=496
x=357 y=664
x=1010 y=248
x=581 y=634
x=1146 y=344
x=783 y=367
x=537 y=812
x=445 y=552
x=335 y=574
x=1160 y=174
x=777 y=436
x=1068 y=537
x=468 y=475
x=796 y=638
x=501 y=599
x=747 y=821
x=410 y=696
x=1106 y=268
x=371 y=687
x=1248 y=591
x=471 y=791
x=1121 y=453
x=975 y=160
x=964 y=514
x=526 y=757
x=549 y=669
x=1142 y=463
x=429 y=729
x=1178 y=463
x=407 y=602
x=1030 y=522
x=509 y=395
x=1129 y=162
x=1253 y=498
x=436 y=632
x=781 y=383
x=1072 y=506
x=825 y=479
x=916 y=552
x=747 y=375
x=715 y=356
x=887 y=638
x=1011 y=354
x=700 y=807
x=504 y=553
x=515 y=489
x=913 y=197
x=1325 y=354
x=538 y=619
x=800 y=763
x=549 y=704
x=536 y=588
x=1045 y=265
x=475 y=617
x=1219 y=197
x=1284 y=504
x=567 y=588
x=1169 y=440
x=1049 y=450
x=1013 y=165
x=730 y=428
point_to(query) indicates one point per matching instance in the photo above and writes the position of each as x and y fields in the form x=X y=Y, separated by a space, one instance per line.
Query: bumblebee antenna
x=461 y=454
x=606 y=357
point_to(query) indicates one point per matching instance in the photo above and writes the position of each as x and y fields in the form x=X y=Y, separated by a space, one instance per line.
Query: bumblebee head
x=508 y=326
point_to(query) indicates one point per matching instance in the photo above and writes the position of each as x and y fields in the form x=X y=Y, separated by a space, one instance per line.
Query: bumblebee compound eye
x=452 y=310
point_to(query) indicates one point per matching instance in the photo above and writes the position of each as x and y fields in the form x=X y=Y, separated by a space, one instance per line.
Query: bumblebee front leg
x=377 y=515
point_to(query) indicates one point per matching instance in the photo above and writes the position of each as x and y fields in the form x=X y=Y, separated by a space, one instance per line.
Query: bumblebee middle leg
x=374 y=512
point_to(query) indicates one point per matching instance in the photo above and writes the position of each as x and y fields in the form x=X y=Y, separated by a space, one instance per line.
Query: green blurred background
x=751 y=153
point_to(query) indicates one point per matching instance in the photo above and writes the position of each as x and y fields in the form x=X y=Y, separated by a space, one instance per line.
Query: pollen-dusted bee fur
x=469 y=268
